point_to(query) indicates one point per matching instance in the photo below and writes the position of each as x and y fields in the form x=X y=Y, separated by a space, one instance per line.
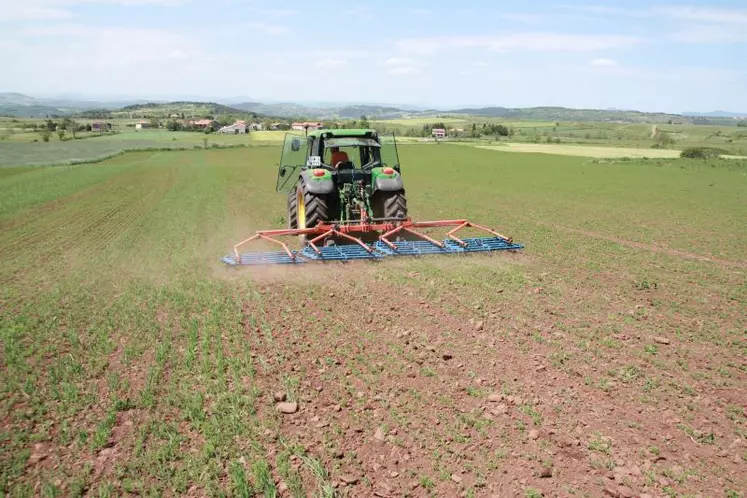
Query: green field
x=134 y=363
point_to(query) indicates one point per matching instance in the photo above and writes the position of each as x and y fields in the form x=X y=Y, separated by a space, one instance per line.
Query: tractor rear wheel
x=390 y=204
x=311 y=209
x=292 y=210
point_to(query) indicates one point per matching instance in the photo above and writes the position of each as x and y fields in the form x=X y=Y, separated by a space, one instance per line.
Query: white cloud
x=80 y=47
x=703 y=14
x=28 y=12
x=546 y=42
x=402 y=70
x=602 y=62
x=480 y=64
x=397 y=61
x=331 y=63
x=268 y=29
x=710 y=34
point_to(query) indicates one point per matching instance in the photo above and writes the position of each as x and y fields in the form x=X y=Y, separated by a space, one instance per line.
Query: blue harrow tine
x=484 y=244
x=414 y=248
x=339 y=253
x=264 y=258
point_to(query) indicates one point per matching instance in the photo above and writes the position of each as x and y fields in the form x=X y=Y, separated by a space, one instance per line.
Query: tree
x=664 y=141
x=45 y=133
x=742 y=124
x=364 y=122
x=61 y=134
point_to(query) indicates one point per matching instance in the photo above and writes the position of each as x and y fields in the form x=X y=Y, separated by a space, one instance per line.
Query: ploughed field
x=606 y=357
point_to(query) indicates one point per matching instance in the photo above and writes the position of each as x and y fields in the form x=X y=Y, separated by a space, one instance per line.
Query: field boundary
x=120 y=152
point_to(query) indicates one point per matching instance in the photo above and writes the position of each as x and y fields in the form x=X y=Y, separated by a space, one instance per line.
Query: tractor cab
x=359 y=150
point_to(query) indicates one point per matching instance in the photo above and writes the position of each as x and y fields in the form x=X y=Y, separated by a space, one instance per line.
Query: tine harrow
x=348 y=247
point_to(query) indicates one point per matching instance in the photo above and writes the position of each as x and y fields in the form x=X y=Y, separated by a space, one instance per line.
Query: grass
x=133 y=360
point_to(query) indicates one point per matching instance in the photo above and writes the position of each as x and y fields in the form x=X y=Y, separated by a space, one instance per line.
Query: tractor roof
x=352 y=132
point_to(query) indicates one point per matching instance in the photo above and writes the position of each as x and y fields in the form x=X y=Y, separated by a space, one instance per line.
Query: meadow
x=606 y=357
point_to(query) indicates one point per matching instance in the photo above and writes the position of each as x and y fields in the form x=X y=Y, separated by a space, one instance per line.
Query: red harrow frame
x=417 y=243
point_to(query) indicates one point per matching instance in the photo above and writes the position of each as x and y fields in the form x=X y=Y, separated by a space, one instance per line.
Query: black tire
x=317 y=208
x=390 y=204
x=292 y=210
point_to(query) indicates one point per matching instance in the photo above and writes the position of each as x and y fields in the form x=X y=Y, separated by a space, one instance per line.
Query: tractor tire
x=315 y=208
x=292 y=210
x=390 y=204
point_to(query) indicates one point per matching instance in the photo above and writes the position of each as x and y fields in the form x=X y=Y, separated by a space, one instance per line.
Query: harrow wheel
x=310 y=209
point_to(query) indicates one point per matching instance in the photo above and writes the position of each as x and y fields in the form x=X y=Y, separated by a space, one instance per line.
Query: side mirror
x=295 y=145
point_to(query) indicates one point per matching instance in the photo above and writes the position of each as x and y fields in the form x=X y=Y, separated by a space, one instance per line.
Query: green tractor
x=341 y=176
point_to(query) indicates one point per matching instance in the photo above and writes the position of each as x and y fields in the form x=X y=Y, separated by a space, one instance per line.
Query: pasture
x=607 y=355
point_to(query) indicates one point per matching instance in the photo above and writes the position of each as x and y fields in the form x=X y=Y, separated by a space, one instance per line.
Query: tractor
x=341 y=176
x=346 y=201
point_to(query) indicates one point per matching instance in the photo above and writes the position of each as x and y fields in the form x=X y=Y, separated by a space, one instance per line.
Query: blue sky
x=674 y=57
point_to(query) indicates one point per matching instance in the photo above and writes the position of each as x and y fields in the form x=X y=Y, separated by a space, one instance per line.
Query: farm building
x=202 y=123
x=139 y=125
x=439 y=132
x=237 y=128
x=305 y=125
x=256 y=126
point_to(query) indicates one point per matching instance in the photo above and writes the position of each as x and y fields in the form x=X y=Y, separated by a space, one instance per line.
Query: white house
x=234 y=129
x=439 y=132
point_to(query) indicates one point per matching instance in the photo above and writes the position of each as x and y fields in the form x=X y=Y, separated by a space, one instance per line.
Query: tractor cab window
x=351 y=152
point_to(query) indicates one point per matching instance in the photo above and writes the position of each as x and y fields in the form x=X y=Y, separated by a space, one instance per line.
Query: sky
x=651 y=56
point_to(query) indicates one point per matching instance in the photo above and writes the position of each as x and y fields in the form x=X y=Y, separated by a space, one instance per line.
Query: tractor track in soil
x=677 y=253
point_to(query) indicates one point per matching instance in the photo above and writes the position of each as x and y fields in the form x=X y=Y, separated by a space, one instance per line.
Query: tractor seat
x=346 y=165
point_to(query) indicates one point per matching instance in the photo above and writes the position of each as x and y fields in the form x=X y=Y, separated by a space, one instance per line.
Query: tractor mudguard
x=318 y=185
x=386 y=180
x=389 y=184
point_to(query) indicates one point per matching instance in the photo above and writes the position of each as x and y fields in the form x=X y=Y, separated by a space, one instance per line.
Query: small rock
x=337 y=408
x=282 y=487
x=456 y=478
x=379 y=434
x=661 y=340
x=625 y=492
x=349 y=479
x=495 y=398
x=280 y=396
x=287 y=408
x=479 y=325
x=338 y=454
x=447 y=356
x=610 y=490
x=546 y=472
x=499 y=410
x=394 y=474
x=534 y=434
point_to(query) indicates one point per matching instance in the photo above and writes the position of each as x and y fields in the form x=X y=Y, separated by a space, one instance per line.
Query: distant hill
x=716 y=114
x=568 y=114
x=20 y=105
x=299 y=111
x=182 y=107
